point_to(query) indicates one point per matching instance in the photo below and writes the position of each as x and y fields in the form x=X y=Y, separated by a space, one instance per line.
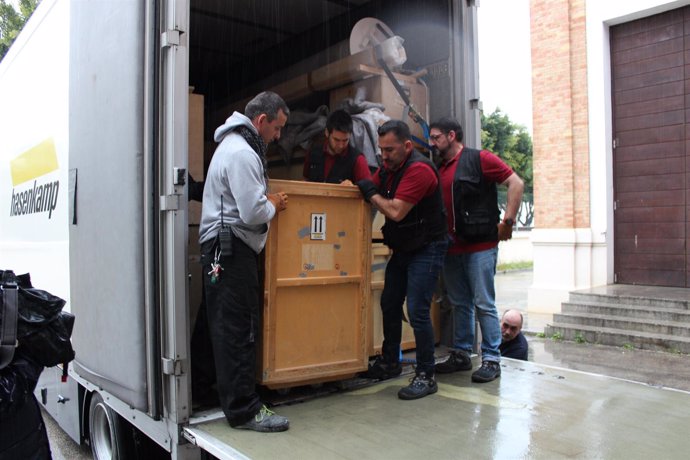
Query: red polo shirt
x=494 y=170
x=419 y=181
x=359 y=171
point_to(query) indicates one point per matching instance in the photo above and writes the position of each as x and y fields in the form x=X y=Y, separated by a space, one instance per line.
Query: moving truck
x=95 y=116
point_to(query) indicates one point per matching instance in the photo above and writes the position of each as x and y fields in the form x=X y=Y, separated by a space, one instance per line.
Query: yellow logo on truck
x=30 y=165
x=35 y=162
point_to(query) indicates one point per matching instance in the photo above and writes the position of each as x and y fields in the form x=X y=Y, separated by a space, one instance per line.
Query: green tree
x=513 y=144
x=12 y=21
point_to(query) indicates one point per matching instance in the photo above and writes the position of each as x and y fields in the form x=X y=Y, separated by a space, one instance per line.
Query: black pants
x=203 y=364
x=23 y=434
x=232 y=305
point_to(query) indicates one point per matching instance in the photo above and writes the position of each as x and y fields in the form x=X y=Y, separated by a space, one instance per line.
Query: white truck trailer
x=93 y=161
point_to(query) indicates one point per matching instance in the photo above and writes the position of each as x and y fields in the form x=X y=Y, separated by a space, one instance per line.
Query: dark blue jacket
x=516 y=348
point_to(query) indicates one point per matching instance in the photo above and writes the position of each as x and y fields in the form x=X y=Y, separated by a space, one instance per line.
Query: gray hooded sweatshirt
x=236 y=173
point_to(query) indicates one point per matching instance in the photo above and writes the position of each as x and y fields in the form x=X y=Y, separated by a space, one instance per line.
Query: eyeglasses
x=436 y=137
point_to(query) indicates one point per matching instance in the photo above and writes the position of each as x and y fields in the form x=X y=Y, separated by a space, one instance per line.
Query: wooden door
x=650 y=61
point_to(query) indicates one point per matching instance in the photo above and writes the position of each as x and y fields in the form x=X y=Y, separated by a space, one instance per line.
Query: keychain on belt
x=215 y=267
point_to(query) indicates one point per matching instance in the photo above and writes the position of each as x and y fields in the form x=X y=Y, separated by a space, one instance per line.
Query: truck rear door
x=112 y=201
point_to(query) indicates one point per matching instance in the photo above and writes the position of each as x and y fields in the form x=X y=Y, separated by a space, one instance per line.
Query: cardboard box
x=379 y=88
x=195 y=160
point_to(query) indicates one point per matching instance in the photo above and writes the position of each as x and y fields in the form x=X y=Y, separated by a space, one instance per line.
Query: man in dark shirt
x=514 y=343
x=336 y=161
x=406 y=189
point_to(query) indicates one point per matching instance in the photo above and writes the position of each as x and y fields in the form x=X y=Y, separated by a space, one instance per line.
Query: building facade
x=611 y=104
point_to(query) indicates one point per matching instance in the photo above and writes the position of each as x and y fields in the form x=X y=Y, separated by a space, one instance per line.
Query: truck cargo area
x=316 y=54
x=307 y=51
x=532 y=411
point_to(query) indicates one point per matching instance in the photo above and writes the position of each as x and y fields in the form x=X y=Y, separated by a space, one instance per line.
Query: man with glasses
x=468 y=182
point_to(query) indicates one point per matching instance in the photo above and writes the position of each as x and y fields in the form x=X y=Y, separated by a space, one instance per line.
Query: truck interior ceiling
x=239 y=48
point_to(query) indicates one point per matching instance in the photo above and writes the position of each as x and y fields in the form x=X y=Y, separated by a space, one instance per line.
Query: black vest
x=475 y=201
x=342 y=169
x=426 y=221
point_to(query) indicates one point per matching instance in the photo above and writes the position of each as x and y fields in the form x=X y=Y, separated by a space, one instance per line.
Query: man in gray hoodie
x=236 y=212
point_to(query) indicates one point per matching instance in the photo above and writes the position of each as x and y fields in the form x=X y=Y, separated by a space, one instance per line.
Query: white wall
x=517 y=249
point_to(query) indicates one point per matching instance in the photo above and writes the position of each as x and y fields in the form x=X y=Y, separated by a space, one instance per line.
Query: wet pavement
x=532 y=411
x=511 y=293
x=533 y=405
x=560 y=404
x=657 y=368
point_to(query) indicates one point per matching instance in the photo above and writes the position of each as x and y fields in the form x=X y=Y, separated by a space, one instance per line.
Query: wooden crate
x=316 y=291
x=278 y=169
x=377 y=225
x=380 y=255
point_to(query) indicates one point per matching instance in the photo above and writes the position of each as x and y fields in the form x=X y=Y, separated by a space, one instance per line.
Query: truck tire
x=110 y=436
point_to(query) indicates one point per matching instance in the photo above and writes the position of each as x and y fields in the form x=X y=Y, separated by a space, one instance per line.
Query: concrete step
x=619 y=337
x=628 y=311
x=653 y=326
x=628 y=300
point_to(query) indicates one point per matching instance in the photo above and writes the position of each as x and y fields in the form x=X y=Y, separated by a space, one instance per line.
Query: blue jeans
x=469 y=280
x=413 y=275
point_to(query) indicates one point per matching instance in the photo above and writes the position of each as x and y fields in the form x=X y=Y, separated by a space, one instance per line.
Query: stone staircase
x=653 y=323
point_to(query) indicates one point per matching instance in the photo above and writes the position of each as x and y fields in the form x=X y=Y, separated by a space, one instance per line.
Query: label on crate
x=318 y=226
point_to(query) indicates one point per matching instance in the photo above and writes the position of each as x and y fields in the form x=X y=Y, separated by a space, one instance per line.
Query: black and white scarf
x=256 y=143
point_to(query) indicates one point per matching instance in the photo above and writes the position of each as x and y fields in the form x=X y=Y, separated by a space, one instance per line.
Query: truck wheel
x=107 y=431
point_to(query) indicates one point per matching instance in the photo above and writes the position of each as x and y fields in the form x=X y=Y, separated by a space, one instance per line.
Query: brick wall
x=559 y=96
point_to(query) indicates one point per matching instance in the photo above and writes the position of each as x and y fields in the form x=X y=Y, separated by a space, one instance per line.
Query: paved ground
x=656 y=368
x=650 y=367
x=533 y=411
x=61 y=445
x=511 y=293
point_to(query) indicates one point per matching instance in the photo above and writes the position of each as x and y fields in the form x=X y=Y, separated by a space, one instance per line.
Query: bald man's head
x=511 y=325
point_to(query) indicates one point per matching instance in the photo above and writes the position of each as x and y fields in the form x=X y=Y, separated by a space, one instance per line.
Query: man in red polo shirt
x=406 y=190
x=336 y=161
x=468 y=182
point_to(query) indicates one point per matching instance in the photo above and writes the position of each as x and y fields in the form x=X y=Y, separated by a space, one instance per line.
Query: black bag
x=43 y=329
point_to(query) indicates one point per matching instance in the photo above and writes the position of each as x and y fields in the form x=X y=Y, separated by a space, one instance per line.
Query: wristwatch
x=509 y=221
